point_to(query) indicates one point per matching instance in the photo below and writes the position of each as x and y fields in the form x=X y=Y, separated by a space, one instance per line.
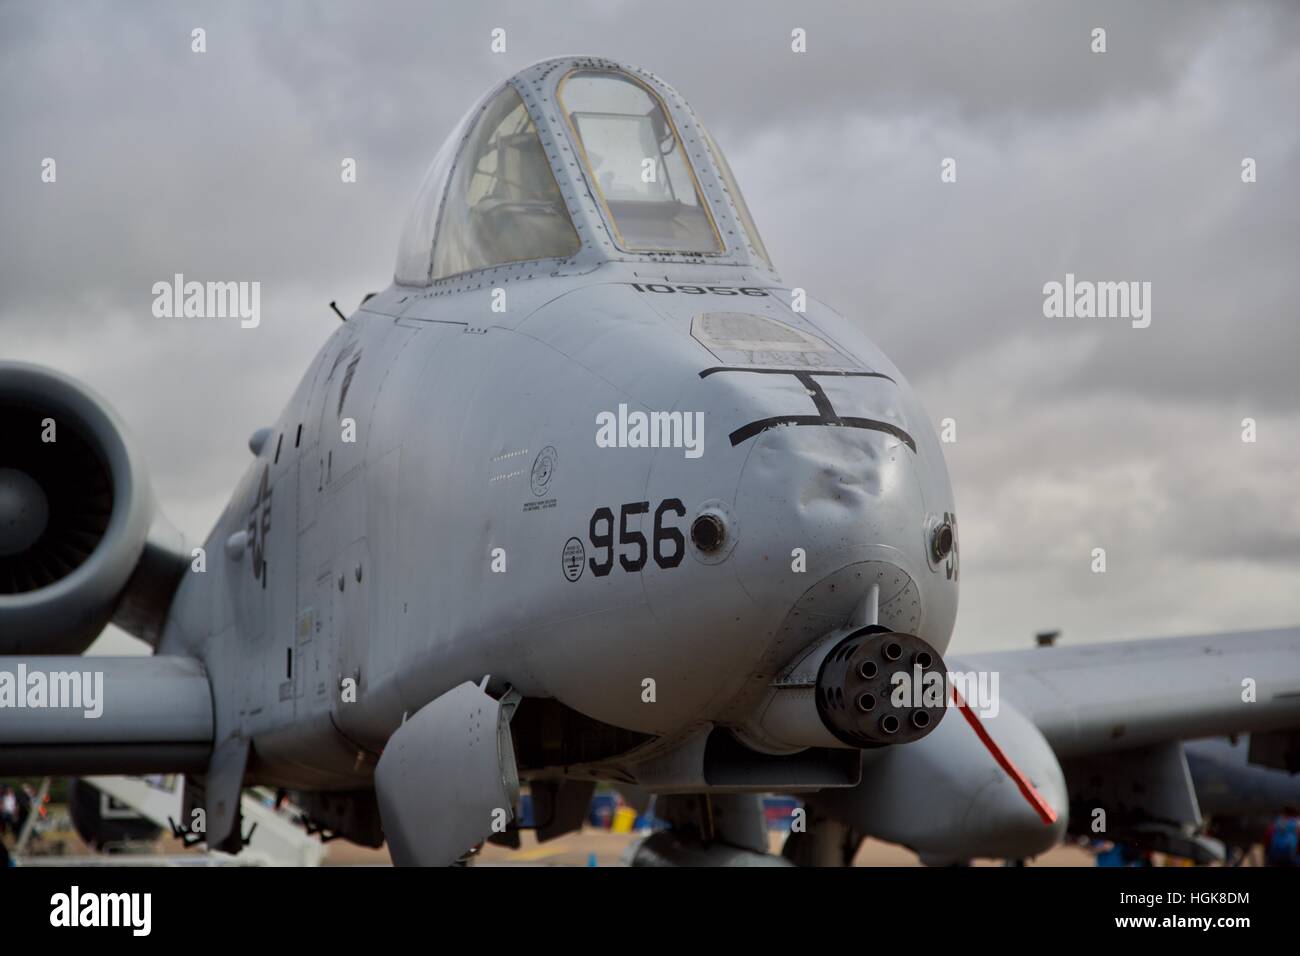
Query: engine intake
x=56 y=500
x=75 y=512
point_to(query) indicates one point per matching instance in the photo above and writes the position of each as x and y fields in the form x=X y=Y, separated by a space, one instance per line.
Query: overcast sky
x=1072 y=434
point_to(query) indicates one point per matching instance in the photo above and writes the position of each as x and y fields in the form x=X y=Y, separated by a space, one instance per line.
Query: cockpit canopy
x=502 y=204
x=576 y=161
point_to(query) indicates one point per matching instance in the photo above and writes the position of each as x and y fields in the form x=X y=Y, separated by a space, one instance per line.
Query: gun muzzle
x=862 y=688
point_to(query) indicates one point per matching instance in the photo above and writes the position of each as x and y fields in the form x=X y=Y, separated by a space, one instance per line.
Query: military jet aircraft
x=586 y=494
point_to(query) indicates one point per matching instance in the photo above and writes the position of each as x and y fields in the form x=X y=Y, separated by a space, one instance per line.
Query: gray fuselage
x=377 y=555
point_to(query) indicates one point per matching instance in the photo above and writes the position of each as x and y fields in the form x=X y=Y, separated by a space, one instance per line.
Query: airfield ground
x=576 y=850
x=590 y=846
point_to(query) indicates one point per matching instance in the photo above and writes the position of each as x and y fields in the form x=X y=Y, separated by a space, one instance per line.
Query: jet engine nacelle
x=76 y=513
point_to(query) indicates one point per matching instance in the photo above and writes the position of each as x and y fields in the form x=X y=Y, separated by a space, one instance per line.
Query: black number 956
x=668 y=545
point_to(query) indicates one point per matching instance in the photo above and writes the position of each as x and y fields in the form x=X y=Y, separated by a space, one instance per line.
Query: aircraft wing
x=68 y=714
x=1100 y=698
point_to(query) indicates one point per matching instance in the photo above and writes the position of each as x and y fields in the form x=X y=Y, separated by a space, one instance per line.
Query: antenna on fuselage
x=342 y=317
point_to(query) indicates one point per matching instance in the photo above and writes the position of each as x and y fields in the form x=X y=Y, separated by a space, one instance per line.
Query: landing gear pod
x=452 y=762
x=881 y=688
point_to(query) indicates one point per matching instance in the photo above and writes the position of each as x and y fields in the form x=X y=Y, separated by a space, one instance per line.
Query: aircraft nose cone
x=842 y=487
x=811 y=489
x=24 y=511
x=827 y=512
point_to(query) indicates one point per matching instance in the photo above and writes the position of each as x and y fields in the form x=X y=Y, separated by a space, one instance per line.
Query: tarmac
x=590 y=846
x=578 y=849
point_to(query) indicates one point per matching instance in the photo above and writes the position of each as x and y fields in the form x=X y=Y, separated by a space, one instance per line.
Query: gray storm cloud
x=1072 y=433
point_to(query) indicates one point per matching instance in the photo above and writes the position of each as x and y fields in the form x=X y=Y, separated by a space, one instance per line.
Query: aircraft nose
x=811 y=488
x=827 y=512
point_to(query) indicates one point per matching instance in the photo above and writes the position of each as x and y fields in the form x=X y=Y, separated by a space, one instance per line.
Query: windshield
x=638 y=165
